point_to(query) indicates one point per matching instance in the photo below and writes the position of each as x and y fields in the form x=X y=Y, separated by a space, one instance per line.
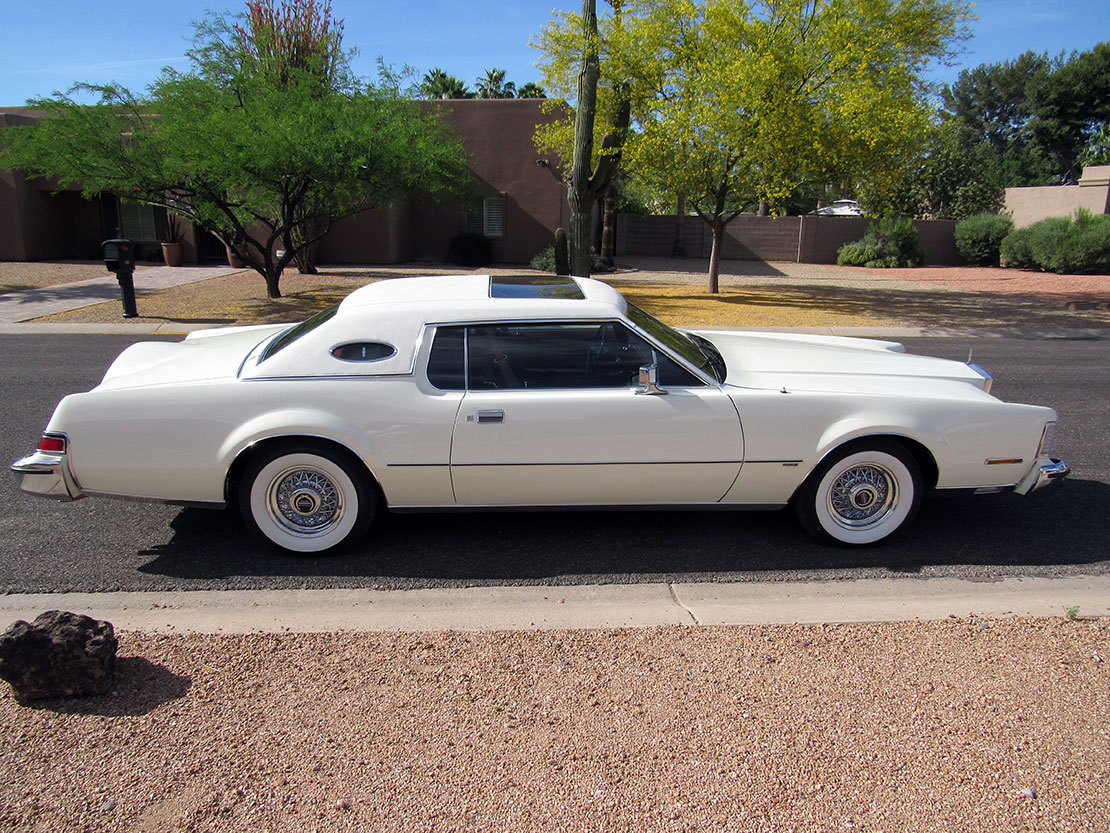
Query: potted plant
x=172 y=248
x=235 y=257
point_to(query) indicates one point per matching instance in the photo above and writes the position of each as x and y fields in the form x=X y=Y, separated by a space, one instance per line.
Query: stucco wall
x=497 y=137
x=1028 y=205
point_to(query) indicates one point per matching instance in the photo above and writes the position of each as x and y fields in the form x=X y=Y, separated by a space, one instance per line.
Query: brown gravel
x=963 y=725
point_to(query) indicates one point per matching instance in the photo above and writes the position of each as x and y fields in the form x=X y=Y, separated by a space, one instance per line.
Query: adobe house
x=520 y=204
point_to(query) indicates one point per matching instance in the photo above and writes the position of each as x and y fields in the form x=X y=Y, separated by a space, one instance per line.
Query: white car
x=841 y=208
x=471 y=391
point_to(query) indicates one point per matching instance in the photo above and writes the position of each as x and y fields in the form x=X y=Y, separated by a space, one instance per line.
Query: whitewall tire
x=307 y=500
x=861 y=495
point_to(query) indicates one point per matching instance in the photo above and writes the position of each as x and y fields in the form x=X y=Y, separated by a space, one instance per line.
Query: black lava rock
x=60 y=654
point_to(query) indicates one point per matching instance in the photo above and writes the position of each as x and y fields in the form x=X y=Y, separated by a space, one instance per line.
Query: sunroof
x=534 y=286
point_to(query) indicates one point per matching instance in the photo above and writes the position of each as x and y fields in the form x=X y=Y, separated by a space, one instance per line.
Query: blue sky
x=62 y=41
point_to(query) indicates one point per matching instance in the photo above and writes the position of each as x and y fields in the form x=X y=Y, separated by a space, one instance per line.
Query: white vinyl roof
x=395 y=312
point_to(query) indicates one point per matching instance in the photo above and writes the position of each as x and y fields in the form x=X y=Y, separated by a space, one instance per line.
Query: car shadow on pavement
x=463 y=549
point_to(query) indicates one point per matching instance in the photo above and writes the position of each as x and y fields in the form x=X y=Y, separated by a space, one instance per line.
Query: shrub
x=1016 y=250
x=890 y=242
x=468 y=248
x=1059 y=244
x=979 y=237
x=545 y=262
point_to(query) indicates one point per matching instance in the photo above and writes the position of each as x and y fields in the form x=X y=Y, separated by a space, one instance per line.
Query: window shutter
x=136 y=221
x=495 y=216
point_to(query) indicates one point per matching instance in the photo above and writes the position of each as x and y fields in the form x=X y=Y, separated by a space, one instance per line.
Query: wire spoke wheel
x=307 y=500
x=861 y=495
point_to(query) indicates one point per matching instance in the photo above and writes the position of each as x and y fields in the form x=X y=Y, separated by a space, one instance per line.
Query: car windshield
x=287 y=337
x=699 y=351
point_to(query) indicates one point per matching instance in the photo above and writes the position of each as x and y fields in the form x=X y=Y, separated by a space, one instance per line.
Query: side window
x=446 y=365
x=549 y=356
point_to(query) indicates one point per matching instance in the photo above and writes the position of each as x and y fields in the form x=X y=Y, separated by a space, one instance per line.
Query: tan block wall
x=1029 y=205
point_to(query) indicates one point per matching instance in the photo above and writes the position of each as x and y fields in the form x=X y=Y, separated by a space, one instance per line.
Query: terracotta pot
x=234 y=260
x=174 y=253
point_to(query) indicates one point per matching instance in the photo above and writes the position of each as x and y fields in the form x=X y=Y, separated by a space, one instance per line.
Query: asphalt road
x=100 y=545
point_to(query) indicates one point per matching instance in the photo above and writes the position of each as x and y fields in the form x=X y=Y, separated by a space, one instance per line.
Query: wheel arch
x=924 y=458
x=262 y=444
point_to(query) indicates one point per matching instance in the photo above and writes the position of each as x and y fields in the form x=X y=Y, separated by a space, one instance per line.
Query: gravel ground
x=962 y=725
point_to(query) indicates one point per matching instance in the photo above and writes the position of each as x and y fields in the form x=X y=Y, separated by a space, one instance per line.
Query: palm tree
x=531 y=90
x=438 y=84
x=493 y=85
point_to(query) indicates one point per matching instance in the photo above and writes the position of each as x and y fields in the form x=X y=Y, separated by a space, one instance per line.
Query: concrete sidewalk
x=28 y=304
x=574 y=607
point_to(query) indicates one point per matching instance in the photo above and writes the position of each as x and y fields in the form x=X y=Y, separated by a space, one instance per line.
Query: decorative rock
x=60 y=654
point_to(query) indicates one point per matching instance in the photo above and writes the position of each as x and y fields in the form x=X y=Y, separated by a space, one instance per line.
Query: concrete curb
x=574 y=607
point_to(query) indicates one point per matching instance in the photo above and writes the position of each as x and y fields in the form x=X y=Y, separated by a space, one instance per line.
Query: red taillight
x=52 y=444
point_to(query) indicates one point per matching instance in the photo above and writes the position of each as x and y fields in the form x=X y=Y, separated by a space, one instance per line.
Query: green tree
x=1037 y=115
x=953 y=178
x=991 y=100
x=1070 y=105
x=756 y=99
x=262 y=145
x=531 y=90
x=493 y=85
x=438 y=84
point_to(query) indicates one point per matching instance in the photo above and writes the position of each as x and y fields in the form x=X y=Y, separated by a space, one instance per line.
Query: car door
x=552 y=416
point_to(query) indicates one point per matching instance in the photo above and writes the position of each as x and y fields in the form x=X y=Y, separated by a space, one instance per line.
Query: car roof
x=396 y=310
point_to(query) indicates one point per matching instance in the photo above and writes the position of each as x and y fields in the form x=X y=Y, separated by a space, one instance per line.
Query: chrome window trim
x=697 y=373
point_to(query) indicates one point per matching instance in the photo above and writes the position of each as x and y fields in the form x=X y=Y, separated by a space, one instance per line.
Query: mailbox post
x=119 y=257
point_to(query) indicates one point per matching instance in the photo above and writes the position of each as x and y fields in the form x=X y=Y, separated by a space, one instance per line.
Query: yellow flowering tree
x=754 y=99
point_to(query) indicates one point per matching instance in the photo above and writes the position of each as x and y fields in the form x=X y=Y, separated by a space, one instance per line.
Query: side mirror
x=649 y=381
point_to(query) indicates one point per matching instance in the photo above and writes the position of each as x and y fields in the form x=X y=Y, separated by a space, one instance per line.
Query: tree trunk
x=679 y=247
x=715 y=257
x=305 y=259
x=273 y=279
x=609 y=226
x=581 y=196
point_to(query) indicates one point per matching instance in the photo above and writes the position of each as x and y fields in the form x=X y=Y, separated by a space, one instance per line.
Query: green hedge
x=1079 y=246
x=979 y=237
x=891 y=242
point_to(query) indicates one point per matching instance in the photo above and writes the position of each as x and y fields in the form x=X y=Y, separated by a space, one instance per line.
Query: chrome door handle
x=491 y=416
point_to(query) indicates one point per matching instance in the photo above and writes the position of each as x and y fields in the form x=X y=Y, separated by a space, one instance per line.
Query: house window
x=136 y=221
x=487 y=218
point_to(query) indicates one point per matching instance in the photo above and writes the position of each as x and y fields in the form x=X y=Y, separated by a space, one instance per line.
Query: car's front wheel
x=861 y=495
x=307 y=499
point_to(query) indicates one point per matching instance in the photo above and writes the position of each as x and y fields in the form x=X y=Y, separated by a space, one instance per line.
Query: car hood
x=203 y=356
x=830 y=363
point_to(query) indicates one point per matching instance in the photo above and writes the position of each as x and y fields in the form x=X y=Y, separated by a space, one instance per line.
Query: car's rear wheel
x=861 y=495
x=307 y=499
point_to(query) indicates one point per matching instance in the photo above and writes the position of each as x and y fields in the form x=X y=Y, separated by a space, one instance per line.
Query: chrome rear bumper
x=1046 y=476
x=46 y=475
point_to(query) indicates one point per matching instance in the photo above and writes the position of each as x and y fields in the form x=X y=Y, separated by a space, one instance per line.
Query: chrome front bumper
x=47 y=475
x=1045 y=476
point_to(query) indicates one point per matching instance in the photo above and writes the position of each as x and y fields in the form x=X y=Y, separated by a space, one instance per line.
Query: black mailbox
x=119 y=257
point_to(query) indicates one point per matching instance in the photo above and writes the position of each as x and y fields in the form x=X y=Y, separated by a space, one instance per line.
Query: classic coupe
x=471 y=391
